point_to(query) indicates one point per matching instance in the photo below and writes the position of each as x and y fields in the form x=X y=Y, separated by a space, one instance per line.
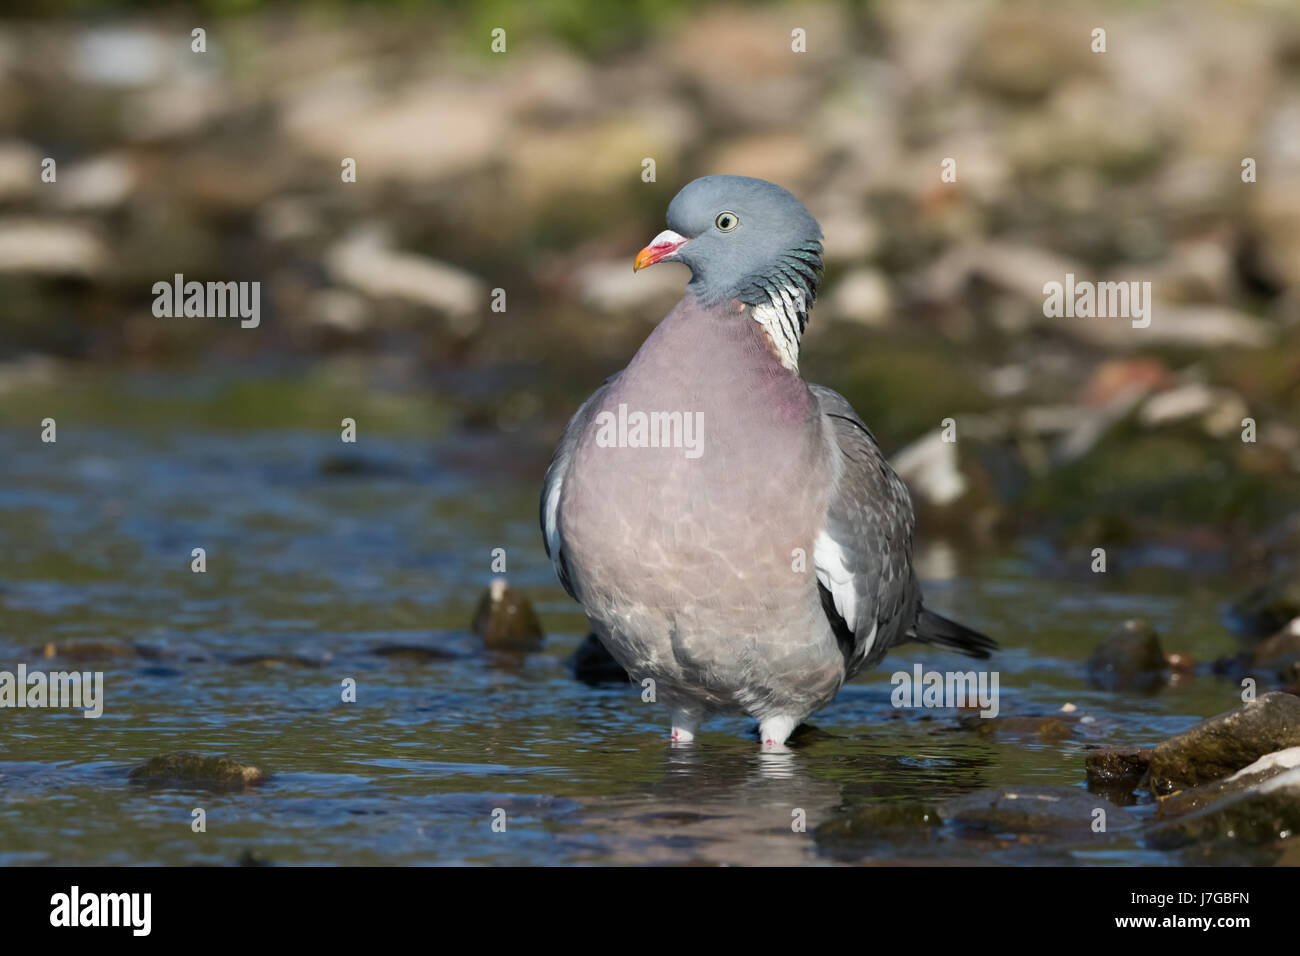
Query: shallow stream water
x=320 y=553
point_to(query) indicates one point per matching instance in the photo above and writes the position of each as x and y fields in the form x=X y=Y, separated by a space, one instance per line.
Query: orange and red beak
x=663 y=246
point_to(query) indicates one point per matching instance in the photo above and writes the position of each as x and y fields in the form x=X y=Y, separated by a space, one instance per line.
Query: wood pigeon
x=733 y=533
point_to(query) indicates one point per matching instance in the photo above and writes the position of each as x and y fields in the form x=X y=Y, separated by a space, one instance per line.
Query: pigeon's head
x=744 y=239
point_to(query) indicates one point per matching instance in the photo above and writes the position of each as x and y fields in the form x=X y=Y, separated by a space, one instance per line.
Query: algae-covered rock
x=505 y=619
x=1225 y=744
x=184 y=767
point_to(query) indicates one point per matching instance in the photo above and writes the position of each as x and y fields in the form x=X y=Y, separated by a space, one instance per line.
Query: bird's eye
x=726 y=221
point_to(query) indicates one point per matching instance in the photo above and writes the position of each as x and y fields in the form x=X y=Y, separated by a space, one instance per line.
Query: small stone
x=505 y=619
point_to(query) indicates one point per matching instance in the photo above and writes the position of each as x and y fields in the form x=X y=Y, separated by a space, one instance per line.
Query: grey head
x=745 y=239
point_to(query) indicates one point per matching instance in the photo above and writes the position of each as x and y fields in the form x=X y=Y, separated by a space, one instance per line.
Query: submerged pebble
x=1063 y=811
x=848 y=837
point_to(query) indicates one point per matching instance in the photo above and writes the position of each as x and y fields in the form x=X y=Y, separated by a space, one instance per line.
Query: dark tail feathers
x=936 y=629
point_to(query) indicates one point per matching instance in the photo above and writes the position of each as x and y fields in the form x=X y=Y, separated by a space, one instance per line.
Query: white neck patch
x=783 y=317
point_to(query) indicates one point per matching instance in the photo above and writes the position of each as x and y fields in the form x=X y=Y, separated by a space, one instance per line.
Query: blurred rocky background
x=522 y=171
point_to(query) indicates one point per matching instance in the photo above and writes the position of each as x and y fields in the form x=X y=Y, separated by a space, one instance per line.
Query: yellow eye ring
x=726 y=221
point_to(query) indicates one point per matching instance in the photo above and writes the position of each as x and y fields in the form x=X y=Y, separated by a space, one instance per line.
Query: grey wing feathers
x=864 y=554
x=553 y=485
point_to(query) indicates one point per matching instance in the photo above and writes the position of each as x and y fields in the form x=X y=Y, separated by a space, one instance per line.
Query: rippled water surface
x=318 y=553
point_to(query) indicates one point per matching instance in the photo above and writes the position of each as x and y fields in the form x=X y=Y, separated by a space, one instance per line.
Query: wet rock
x=847 y=837
x=593 y=664
x=505 y=619
x=1265 y=813
x=1226 y=743
x=1060 y=810
x=1113 y=769
x=184 y=767
x=1182 y=802
x=1131 y=659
